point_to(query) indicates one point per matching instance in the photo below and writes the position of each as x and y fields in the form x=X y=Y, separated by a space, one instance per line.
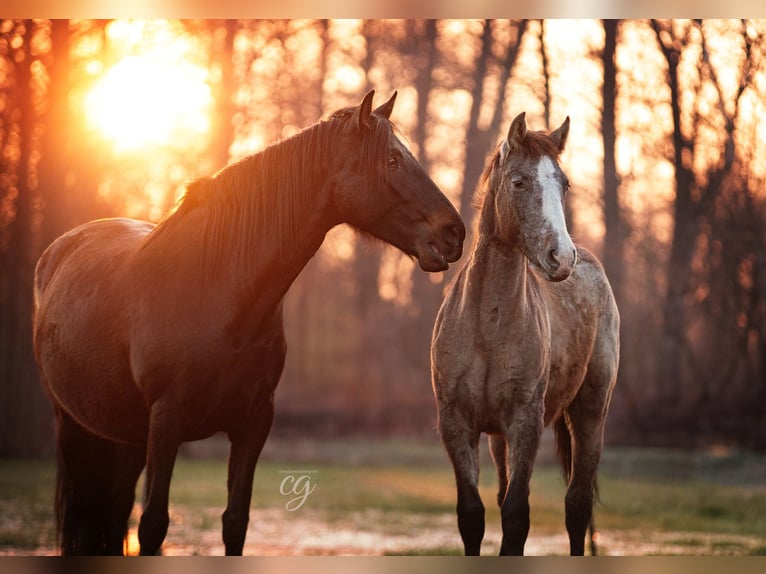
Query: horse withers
x=147 y=336
x=527 y=336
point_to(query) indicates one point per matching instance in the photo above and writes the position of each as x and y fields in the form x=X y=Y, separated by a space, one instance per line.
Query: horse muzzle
x=558 y=264
x=437 y=252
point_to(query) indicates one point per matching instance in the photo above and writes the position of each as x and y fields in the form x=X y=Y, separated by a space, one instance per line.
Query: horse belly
x=102 y=398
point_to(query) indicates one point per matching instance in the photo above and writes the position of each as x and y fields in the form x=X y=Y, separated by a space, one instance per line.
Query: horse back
x=87 y=249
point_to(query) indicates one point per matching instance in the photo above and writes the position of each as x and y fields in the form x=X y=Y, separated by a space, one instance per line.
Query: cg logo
x=296 y=483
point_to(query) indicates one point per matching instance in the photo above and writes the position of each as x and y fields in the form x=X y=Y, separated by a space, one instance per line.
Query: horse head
x=383 y=190
x=529 y=199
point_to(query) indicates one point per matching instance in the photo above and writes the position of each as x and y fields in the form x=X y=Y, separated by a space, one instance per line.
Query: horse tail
x=95 y=490
x=563 y=447
x=564 y=455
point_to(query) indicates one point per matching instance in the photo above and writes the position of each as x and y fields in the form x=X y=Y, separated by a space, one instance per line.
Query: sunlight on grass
x=372 y=507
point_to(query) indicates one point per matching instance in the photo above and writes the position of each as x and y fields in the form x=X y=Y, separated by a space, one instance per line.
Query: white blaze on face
x=553 y=205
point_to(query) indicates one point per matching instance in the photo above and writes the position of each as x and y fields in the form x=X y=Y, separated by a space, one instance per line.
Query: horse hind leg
x=586 y=417
x=579 y=500
x=95 y=489
x=128 y=462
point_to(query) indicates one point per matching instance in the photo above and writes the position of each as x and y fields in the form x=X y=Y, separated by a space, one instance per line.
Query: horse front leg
x=162 y=448
x=523 y=437
x=463 y=449
x=246 y=447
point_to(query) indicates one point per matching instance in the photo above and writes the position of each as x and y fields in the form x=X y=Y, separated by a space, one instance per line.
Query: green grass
x=26 y=504
x=395 y=497
x=693 y=506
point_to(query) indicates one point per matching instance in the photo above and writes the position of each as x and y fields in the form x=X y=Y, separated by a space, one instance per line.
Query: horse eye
x=517 y=182
x=393 y=161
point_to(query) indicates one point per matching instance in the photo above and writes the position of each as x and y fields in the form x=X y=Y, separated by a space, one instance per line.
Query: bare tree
x=477 y=140
x=695 y=196
x=614 y=235
x=24 y=403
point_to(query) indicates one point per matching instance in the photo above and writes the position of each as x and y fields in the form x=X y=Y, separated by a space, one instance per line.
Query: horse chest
x=509 y=368
x=246 y=382
x=492 y=349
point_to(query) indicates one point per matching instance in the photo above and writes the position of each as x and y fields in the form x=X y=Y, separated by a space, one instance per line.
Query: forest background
x=666 y=156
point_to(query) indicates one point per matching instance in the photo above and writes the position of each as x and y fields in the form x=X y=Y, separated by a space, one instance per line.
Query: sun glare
x=150 y=99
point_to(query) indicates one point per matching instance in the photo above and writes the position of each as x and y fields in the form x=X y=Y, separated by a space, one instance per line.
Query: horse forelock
x=536 y=144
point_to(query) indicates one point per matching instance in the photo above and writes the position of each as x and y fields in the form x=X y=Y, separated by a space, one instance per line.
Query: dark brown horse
x=150 y=336
x=527 y=336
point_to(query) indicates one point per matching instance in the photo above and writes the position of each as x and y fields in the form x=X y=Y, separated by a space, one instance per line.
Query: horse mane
x=536 y=144
x=260 y=197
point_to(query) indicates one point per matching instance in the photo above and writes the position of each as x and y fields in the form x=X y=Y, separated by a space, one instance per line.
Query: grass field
x=377 y=497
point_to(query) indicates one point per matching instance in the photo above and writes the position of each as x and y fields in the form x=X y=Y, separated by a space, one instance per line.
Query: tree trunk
x=511 y=55
x=425 y=44
x=223 y=135
x=56 y=143
x=27 y=421
x=476 y=144
x=682 y=244
x=546 y=77
x=614 y=235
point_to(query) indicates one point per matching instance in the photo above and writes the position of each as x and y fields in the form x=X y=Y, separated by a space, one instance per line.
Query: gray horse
x=528 y=335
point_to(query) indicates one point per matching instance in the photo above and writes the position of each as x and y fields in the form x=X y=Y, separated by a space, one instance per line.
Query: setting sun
x=150 y=99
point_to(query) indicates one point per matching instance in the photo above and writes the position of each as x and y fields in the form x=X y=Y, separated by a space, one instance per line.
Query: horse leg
x=80 y=495
x=161 y=454
x=499 y=451
x=587 y=416
x=95 y=489
x=523 y=438
x=246 y=447
x=129 y=461
x=463 y=449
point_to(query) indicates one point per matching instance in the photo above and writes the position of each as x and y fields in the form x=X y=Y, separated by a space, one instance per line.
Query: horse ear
x=364 y=111
x=385 y=109
x=518 y=130
x=559 y=136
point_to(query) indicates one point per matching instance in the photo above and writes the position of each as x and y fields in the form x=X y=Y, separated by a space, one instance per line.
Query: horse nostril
x=452 y=235
x=553 y=259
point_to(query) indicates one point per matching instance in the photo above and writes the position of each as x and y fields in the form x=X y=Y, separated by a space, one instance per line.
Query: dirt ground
x=273 y=532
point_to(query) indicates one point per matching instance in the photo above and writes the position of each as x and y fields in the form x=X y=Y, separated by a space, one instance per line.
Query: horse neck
x=497 y=259
x=268 y=220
